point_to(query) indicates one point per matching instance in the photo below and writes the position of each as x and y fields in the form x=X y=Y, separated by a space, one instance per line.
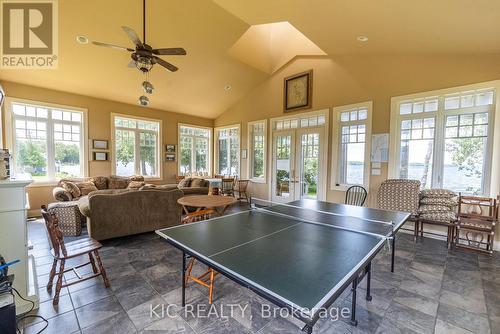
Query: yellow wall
x=343 y=80
x=99 y=127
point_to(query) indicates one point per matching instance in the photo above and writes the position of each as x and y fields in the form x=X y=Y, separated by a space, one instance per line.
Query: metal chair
x=207 y=279
x=355 y=195
x=62 y=251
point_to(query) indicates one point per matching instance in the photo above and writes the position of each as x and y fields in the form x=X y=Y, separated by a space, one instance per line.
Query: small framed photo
x=169 y=157
x=244 y=153
x=99 y=144
x=169 y=148
x=298 y=91
x=100 y=156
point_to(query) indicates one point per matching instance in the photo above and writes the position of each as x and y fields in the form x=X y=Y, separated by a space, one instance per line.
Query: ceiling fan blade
x=112 y=46
x=131 y=64
x=165 y=64
x=170 y=51
x=132 y=35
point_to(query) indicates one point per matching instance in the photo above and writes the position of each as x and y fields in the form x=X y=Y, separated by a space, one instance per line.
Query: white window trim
x=250 y=152
x=492 y=161
x=159 y=150
x=216 y=146
x=336 y=142
x=210 y=143
x=10 y=134
x=322 y=187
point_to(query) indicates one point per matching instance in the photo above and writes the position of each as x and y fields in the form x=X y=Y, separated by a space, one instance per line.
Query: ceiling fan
x=144 y=56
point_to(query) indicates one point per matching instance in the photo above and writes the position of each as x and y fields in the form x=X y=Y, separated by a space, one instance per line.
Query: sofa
x=117 y=213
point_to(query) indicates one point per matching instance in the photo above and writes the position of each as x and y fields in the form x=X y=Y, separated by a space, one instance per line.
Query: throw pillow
x=136 y=178
x=72 y=188
x=450 y=202
x=101 y=182
x=135 y=185
x=197 y=182
x=443 y=193
x=433 y=208
x=185 y=183
x=118 y=182
x=86 y=187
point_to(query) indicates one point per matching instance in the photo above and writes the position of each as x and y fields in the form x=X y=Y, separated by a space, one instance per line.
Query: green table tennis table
x=301 y=255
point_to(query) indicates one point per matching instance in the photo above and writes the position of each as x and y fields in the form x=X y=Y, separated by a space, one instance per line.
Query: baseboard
x=439 y=234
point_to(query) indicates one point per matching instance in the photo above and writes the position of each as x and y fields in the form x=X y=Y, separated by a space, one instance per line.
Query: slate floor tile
x=96 y=312
x=410 y=318
x=116 y=324
x=470 y=321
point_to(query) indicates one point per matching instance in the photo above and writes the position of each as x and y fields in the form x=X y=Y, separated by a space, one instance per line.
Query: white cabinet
x=14 y=239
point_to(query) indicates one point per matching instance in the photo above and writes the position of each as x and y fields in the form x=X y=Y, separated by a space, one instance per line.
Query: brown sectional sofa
x=118 y=206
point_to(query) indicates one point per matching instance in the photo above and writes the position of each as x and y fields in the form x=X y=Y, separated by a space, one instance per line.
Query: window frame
x=159 y=150
x=440 y=129
x=10 y=136
x=193 y=159
x=216 y=146
x=251 y=158
x=337 y=144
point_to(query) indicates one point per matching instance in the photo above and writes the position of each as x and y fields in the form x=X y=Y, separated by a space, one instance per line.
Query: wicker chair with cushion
x=400 y=195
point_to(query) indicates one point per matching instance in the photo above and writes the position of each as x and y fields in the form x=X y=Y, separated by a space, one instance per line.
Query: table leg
x=183 y=279
x=393 y=252
x=221 y=212
x=185 y=209
x=368 y=272
x=354 y=322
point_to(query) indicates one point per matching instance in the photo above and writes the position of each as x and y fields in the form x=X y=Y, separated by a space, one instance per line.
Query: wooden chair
x=207 y=279
x=227 y=187
x=477 y=217
x=355 y=195
x=62 y=251
x=241 y=189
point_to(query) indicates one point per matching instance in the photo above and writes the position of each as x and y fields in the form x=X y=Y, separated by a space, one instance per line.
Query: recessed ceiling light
x=82 y=39
x=362 y=39
x=227 y=88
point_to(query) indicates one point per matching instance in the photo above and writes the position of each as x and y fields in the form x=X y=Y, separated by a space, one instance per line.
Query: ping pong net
x=335 y=219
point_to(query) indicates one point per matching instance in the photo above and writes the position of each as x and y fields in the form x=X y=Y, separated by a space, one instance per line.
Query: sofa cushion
x=197 y=182
x=101 y=182
x=135 y=185
x=83 y=205
x=72 y=188
x=185 y=183
x=449 y=202
x=427 y=208
x=118 y=182
x=446 y=217
x=136 y=178
x=86 y=187
x=164 y=187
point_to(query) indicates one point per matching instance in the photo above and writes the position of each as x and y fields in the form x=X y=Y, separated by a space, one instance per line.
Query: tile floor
x=433 y=290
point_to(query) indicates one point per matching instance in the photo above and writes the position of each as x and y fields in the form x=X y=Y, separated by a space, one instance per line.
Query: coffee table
x=217 y=203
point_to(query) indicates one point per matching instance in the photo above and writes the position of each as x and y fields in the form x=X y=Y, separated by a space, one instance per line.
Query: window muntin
x=448 y=146
x=137 y=149
x=228 y=151
x=48 y=141
x=194 y=150
x=303 y=122
x=353 y=124
x=257 y=148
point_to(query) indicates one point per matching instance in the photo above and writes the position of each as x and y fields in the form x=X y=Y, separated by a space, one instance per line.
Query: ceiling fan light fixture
x=144 y=64
x=148 y=87
x=143 y=101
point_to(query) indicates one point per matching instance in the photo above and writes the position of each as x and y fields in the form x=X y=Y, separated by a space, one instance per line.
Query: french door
x=297 y=162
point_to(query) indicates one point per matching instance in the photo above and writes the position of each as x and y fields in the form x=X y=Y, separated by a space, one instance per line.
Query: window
x=194 y=143
x=228 y=151
x=48 y=142
x=136 y=146
x=257 y=150
x=443 y=140
x=352 y=134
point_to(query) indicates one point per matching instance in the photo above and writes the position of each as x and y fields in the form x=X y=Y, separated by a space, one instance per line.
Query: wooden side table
x=217 y=203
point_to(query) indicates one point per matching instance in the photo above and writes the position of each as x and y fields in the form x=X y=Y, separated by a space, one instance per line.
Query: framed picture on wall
x=298 y=91
x=99 y=144
x=169 y=157
x=170 y=148
x=100 y=156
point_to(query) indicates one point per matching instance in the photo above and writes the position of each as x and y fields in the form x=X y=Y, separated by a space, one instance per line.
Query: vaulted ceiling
x=208 y=28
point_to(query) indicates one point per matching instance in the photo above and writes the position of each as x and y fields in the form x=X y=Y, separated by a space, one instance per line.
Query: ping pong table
x=301 y=255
